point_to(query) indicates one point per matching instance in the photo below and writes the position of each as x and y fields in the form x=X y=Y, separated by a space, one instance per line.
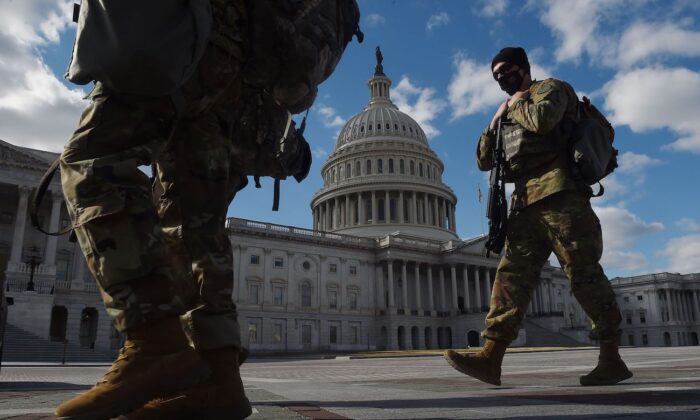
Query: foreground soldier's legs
x=109 y=200
x=577 y=238
x=518 y=272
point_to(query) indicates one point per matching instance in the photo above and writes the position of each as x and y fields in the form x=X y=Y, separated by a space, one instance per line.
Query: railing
x=44 y=287
x=233 y=222
x=24 y=268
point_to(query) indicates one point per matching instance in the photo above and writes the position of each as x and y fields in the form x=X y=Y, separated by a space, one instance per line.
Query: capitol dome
x=382 y=177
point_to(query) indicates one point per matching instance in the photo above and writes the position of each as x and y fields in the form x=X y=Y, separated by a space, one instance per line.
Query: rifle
x=497 y=210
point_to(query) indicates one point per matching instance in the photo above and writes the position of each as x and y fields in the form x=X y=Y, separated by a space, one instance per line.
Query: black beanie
x=512 y=55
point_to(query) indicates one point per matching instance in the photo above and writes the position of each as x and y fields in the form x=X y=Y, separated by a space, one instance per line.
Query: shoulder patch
x=544 y=88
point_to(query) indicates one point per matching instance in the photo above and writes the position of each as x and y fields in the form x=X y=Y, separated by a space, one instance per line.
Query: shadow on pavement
x=40 y=386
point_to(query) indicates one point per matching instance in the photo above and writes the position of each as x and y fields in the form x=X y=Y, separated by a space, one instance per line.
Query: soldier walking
x=550 y=212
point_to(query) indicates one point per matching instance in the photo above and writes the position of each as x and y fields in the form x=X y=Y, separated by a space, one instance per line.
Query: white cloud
x=490 y=8
x=373 y=20
x=36 y=109
x=472 y=89
x=621 y=230
x=319 y=153
x=683 y=254
x=438 y=19
x=688 y=224
x=635 y=163
x=329 y=117
x=644 y=40
x=425 y=108
x=658 y=97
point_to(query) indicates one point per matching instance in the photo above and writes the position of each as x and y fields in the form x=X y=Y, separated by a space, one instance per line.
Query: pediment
x=16 y=157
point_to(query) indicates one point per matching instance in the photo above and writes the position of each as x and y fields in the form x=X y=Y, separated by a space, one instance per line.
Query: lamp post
x=33 y=260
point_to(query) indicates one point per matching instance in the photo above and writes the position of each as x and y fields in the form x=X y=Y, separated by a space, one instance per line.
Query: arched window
x=420 y=169
x=348 y=171
x=401 y=166
x=306 y=295
x=391 y=166
x=369 y=167
x=428 y=170
x=413 y=168
x=357 y=168
x=380 y=167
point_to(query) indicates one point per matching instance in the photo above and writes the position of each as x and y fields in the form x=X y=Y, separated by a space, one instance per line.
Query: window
x=630 y=338
x=405 y=213
x=253 y=294
x=354 y=335
x=626 y=298
x=391 y=166
x=255 y=259
x=402 y=169
x=357 y=168
x=277 y=333
x=306 y=265
x=642 y=318
x=252 y=332
x=420 y=169
x=380 y=210
x=640 y=297
x=278 y=295
x=279 y=262
x=306 y=334
x=387 y=126
x=380 y=166
x=427 y=168
x=352 y=300
x=645 y=340
x=306 y=295
x=629 y=319
x=348 y=171
x=392 y=209
x=412 y=168
x=334 y=334
x=369 y=167
x=61 y=270
x=352 y=270
x=333 y=299
x=333 y=268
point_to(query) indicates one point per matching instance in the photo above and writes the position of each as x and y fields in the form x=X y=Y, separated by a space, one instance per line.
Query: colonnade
x=681 y=306
x=385 y=206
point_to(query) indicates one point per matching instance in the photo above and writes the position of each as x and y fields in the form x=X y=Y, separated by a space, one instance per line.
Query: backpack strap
x=38 y=197
x=600 y=191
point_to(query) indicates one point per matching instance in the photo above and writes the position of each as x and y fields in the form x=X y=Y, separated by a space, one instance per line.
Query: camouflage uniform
x=170 y=256
x=549 y=212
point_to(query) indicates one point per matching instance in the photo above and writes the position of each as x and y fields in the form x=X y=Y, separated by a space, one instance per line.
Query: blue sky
x=638 y=60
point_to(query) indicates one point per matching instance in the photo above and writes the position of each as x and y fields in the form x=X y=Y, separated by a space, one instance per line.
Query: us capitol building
x=382 y=268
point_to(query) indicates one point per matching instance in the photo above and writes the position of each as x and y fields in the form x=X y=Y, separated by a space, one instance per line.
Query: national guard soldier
x=550 y=212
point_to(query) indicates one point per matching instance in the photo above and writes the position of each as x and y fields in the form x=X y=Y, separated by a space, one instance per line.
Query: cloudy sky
x=637 y=59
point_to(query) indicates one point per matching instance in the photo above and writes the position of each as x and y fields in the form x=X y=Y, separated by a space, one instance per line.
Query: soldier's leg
x=526 y=250
x=109 y=200
x=576 y=233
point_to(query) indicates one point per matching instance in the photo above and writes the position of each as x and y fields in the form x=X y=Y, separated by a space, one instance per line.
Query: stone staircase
x=538 y=336
x=23 y=346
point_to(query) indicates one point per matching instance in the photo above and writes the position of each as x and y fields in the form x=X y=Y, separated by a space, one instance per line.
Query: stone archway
x=383 y=338
x=59 y=320
x=694 y=339
x=402 y=337
x=448 y=337
x=88 y=327
x=428 y=338
x=667 y=339
x=415 y=339
x=473 y=339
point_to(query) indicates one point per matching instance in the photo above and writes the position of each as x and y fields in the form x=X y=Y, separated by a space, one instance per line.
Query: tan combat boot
x=610 y=370
x=221 y=397
x=156 y=361
x=484 y=365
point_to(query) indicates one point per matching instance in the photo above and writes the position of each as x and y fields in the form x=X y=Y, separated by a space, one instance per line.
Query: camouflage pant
x=159 y=249
x=566 y=224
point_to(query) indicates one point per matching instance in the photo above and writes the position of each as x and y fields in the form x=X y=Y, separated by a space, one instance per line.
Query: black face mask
x=510 y=82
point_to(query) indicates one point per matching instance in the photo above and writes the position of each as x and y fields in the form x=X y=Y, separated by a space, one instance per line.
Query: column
x=387 y=208
x=390 y=283
x=684 y=305
x=453 y=274
x=347 y=220
x=20 y=225
x=399 y=208
x=453 y=219
x=465 y=279
x=414 y=204
x=696 y=306
x=431 y=300
x=361 y=209
x=654 y=306
x=477 y=286
x=425 y=209
x=327 y=225
x=418 y=297
x=443 y=214
x=336 y=213
x=550 y=296
x=435 y=211
x=488 y=286
x=380 y=286
x=79 y=266
x=374 y=208
x=50 y=252
x=404 y=286
x=674 y=300
x=443 y=303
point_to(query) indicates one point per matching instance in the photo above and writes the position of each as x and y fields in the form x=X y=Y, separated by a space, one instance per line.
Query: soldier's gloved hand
x=501 y=111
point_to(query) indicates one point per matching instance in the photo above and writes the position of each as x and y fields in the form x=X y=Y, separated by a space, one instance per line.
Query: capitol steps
x=23 y=346
x=538 y=336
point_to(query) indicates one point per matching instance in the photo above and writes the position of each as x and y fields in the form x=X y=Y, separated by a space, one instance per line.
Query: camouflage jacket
x=550 y=102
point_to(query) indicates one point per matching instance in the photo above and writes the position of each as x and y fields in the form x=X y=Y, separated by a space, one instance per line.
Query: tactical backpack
x=592 y=154
x=294 y=45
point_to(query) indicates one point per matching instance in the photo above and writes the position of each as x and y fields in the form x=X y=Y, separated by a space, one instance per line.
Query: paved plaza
x=536 y=385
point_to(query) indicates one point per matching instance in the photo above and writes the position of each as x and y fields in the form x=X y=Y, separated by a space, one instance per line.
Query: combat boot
x=610 y=370
x=156 y=361
x=484 y=365
x=221 y=397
